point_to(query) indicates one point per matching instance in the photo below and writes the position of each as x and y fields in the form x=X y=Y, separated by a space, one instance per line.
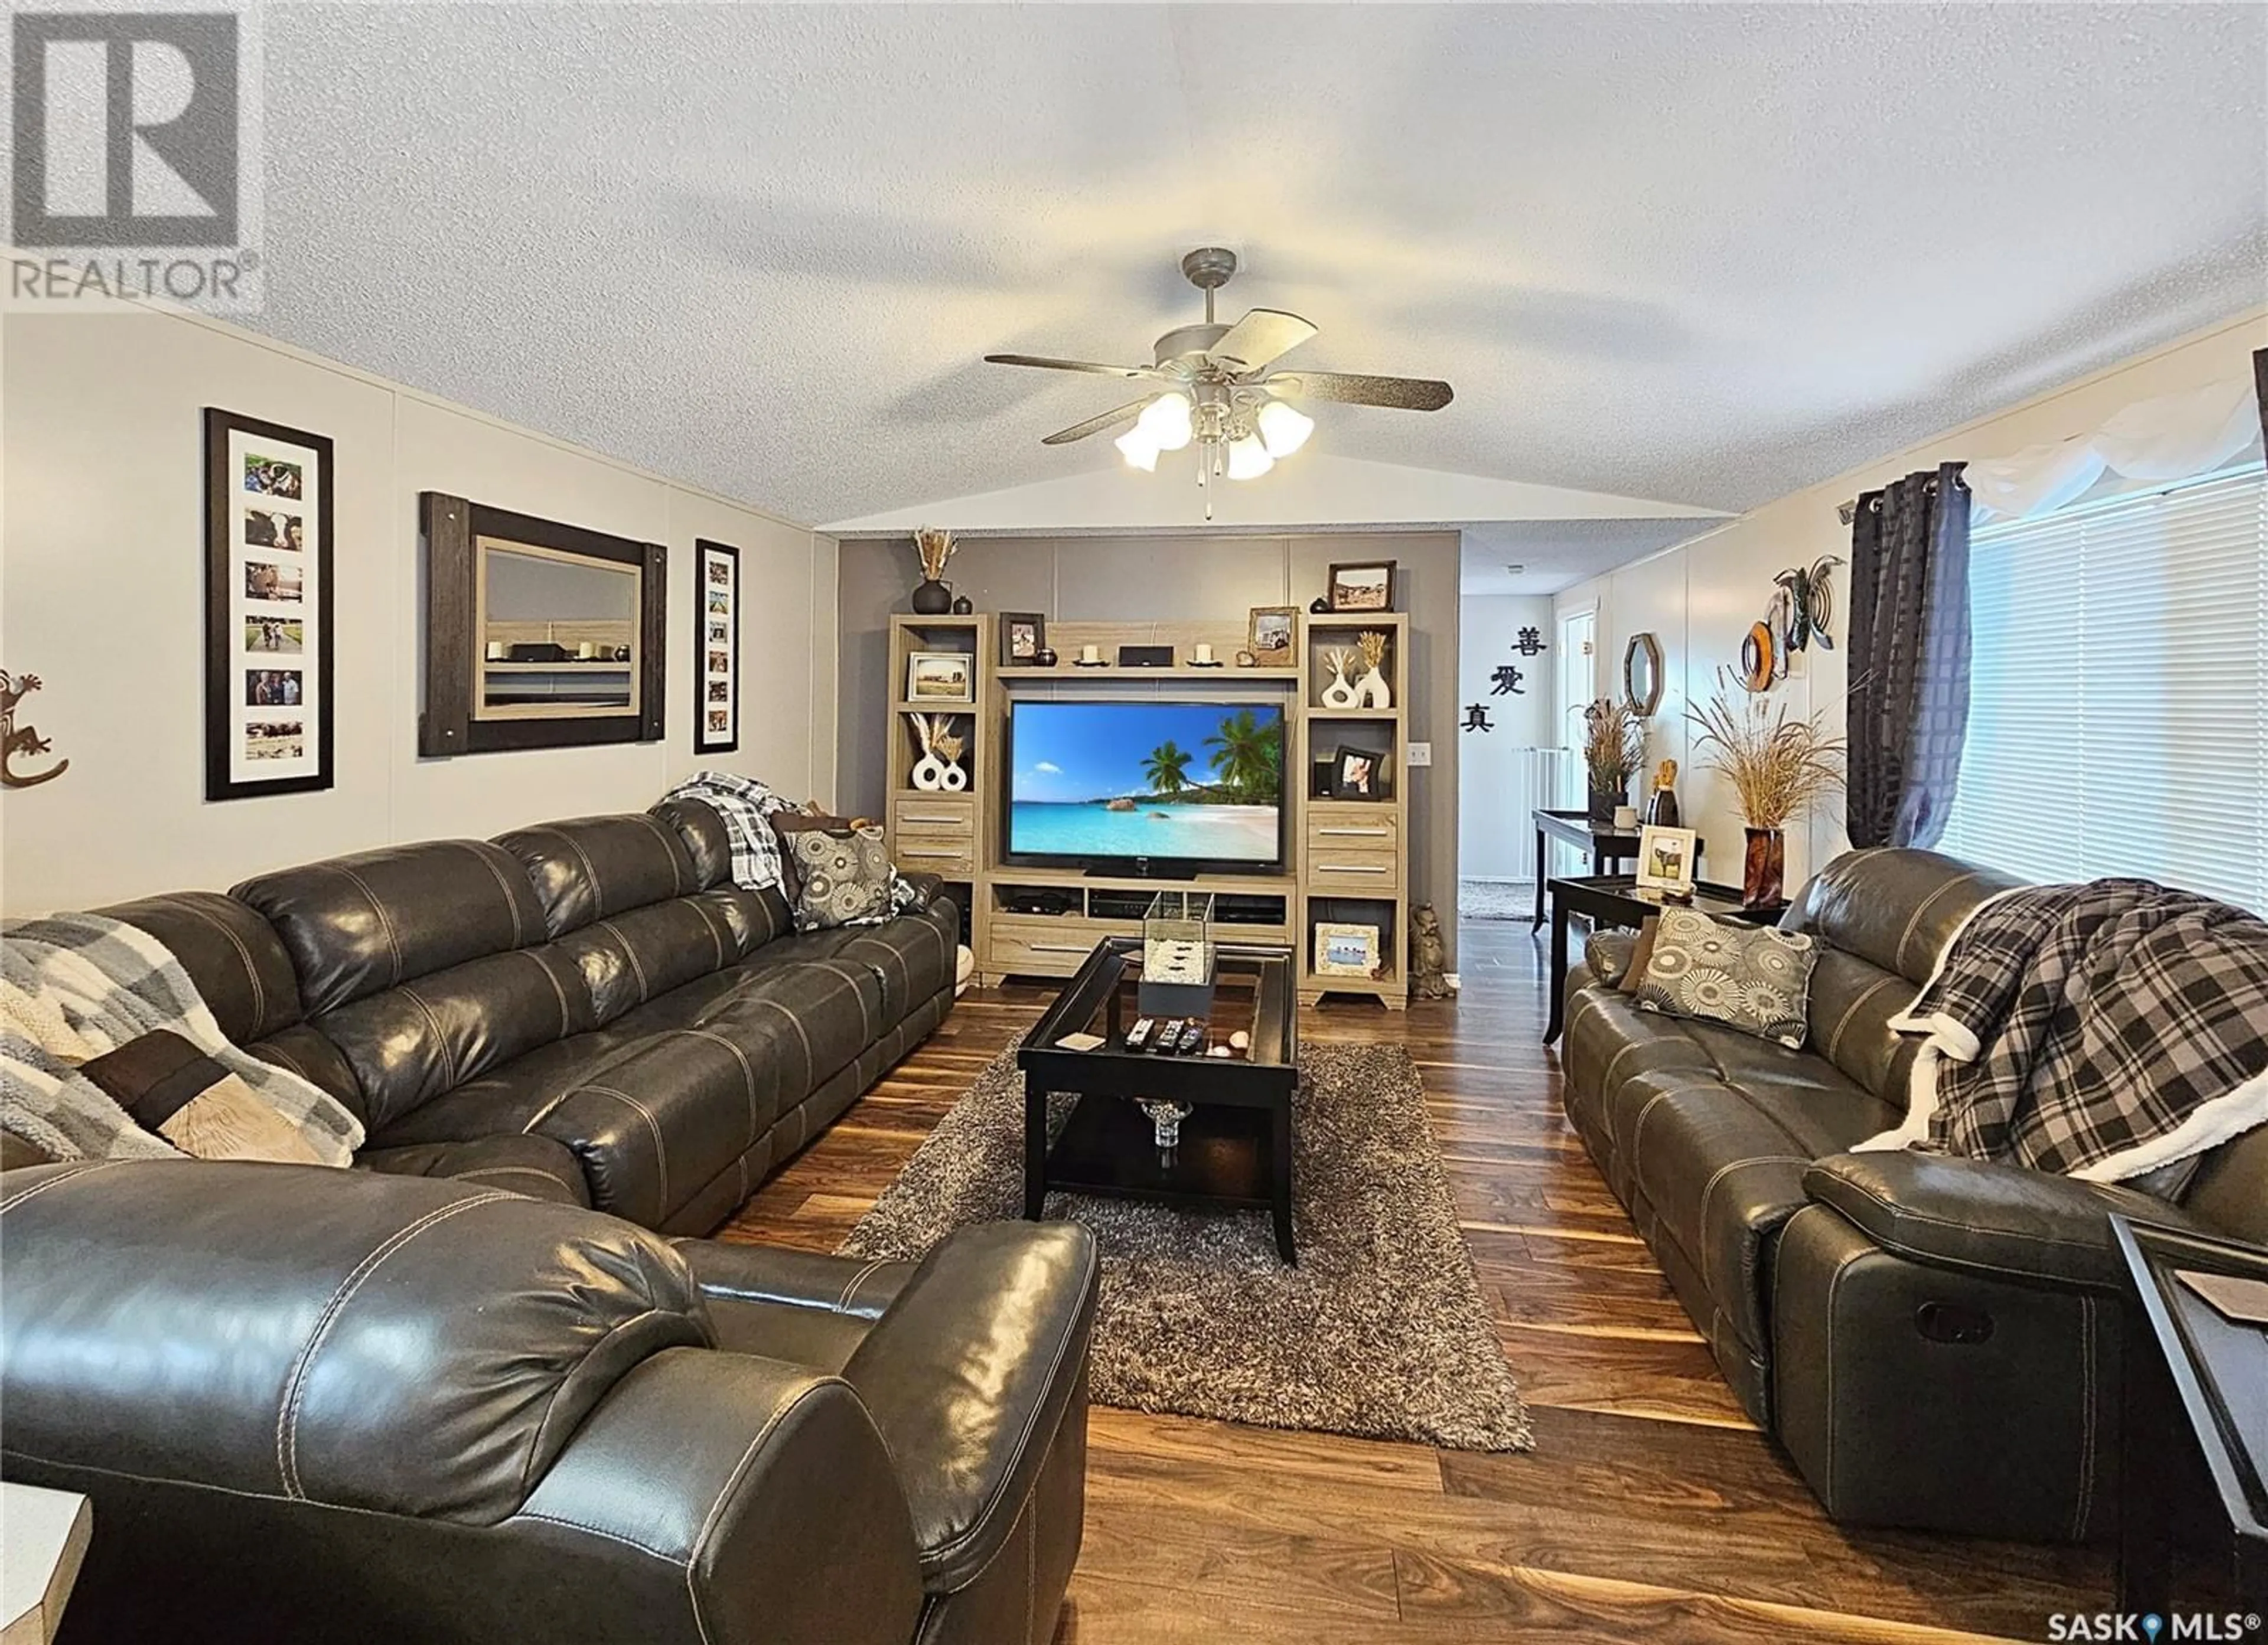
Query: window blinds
x=2118 y=711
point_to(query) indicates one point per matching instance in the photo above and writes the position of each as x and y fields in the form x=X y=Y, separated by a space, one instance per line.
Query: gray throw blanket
x=2100 y=1031
x=76 y=986
x=747 y=807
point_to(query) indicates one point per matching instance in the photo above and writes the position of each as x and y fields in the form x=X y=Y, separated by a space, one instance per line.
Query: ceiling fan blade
x=1263 y=335
x=1353 y=388
x=1095 y=425
x=1046 y=365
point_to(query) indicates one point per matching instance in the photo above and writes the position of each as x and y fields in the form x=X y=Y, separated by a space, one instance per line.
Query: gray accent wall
x=1168 y=579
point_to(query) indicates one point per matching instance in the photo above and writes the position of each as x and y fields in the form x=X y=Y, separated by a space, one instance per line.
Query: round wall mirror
x=1642 y=674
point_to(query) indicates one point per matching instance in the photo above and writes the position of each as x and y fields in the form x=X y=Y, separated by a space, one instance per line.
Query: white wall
x=1490 y=823
x=101 y=590
x=1700 y=597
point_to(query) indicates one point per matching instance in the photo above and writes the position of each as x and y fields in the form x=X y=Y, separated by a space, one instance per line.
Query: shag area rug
x=1381 y=1331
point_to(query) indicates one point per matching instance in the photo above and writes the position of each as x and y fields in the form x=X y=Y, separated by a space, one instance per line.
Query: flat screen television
x=1145 y=788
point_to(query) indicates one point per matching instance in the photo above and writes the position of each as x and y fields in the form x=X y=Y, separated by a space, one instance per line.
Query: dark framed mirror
x=1642 y=674
x=538 y=635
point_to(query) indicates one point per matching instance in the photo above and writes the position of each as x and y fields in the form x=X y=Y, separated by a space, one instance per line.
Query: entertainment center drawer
x=1039 y=953
x=929 y=812
x=1365 y=828
x=1335 y=867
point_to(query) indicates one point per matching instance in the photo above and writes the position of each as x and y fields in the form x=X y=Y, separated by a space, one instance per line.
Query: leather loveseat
x=1934 y=1341
x=589 y=1011
x=314 y=1405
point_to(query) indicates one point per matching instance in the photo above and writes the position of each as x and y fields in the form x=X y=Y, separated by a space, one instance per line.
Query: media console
x=1346 y=857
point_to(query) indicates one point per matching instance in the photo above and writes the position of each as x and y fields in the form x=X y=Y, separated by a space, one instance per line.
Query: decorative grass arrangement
x=1614 y=746
x=935 y=546
x=1780 y=768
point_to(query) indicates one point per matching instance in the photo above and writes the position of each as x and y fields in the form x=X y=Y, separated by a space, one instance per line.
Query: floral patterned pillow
x=1752 y=978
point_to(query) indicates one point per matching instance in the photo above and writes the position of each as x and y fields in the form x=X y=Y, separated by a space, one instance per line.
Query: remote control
x=1138 y=1033
x=1170 y=1038
x=1193 y=1038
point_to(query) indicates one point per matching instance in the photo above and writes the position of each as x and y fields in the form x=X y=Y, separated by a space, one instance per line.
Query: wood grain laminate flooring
x=1651 y=1509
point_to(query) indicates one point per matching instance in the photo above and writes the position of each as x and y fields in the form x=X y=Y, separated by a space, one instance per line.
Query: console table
x=1606 y=845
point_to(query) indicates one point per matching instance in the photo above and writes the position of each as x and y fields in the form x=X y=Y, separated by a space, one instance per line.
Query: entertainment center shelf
x=1345 y=821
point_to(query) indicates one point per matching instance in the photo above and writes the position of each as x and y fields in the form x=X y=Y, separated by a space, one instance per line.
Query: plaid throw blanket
x=2098 y=1032
x=747 y=807
x=75 y=986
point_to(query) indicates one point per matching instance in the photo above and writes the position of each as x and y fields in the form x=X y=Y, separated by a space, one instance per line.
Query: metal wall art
x=16 y=741
x=1801 y=607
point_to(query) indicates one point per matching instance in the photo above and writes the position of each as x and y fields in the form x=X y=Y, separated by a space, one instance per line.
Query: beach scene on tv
x=1200 y=780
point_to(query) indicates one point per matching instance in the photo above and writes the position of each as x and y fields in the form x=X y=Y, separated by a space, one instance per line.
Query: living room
x=1557 y=932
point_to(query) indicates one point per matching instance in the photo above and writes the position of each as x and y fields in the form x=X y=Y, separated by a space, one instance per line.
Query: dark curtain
x=2260 y=387
x=1909 y=703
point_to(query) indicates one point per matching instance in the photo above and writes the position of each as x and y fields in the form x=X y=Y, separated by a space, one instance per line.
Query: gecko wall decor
x=17 y=741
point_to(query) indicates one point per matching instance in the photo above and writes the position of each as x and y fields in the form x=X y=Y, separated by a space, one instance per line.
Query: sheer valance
x=2173 y=436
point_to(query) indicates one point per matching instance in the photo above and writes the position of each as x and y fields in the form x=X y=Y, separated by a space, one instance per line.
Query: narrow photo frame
x=716 y=648
x=267 y=608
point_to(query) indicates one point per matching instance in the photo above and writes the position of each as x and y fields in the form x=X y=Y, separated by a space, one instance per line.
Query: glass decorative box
x=1177 y=955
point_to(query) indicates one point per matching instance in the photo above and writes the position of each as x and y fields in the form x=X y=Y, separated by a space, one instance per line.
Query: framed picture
x=1363 y=585
x=1023 y=637
x=940 y=677
x=1345 y=950
x=267 y=608
x=1665 y=860
x=1273 y=628
x=717 y=648
x=1356 y=774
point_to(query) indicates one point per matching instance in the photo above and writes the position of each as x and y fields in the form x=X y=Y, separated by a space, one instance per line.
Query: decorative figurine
x=1429 y=956
x=1319 y=605
x=21 y=739
x=1662 y=808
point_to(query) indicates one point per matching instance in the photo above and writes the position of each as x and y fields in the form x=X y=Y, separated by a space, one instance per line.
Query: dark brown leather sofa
x=322 y=1405
x=586 y=1010
x=1935 y=1341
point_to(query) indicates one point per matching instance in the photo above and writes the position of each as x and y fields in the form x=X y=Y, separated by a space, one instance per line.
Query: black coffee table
x=1235 y=1145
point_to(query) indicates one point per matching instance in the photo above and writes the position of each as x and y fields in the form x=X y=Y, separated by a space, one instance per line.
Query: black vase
x=1604 y=803
x=963 y=607
x=932 y=597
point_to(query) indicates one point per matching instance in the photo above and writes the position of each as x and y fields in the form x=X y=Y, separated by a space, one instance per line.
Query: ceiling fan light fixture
x=1166 y=422
x=1284 y=427
x=1139 y=449
x=1248 y=458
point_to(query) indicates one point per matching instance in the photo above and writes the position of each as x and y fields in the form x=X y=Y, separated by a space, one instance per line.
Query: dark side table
x=1603 y=843
x=1614 y=900
x=2194 y=1452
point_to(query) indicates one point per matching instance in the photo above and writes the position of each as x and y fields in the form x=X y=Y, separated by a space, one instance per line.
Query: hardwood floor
x=1651 y=1507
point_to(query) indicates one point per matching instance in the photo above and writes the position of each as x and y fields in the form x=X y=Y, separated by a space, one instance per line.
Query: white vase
x=1374 y=694
x=956 y=780
x=930 y=773
x=1338 y=694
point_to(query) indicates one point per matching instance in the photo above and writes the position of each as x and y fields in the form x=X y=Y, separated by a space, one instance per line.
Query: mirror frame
x=1644 y=644
x=452 y=527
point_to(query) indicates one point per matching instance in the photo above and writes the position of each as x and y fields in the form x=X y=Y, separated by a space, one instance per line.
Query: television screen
x=1184 y=783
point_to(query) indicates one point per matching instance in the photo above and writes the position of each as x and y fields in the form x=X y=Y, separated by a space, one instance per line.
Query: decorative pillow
x=173 y=1088
x=836 y=876
x=1752 y=978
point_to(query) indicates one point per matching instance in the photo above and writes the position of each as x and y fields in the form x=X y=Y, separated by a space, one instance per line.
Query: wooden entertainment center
x=1345 y=860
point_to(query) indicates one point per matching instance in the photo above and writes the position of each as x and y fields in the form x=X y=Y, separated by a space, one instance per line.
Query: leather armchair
x=345 y=1405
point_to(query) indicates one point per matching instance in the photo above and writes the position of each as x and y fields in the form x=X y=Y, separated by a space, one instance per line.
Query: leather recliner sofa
x=1934 y=1341
x=589 y=1011
x=314 y=1405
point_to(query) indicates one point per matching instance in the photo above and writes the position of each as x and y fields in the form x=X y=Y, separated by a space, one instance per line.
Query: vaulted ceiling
x=1701 y=253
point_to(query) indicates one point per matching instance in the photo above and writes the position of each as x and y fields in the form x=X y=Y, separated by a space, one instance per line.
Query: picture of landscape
x=1191 y=780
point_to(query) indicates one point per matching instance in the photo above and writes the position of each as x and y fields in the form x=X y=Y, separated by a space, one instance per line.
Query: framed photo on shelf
x=940 y=677
x=1362 y=585
x=717 y=648
x=1270 y=633
x=1023 y=637
x=267 y=608
x=1665 y=861
x=1356 y=774
x=1345 y=950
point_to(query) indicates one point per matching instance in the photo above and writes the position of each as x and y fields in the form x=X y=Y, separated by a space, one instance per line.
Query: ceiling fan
x=1214 y=387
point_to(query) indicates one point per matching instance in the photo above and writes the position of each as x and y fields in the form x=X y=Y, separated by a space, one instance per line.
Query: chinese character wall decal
x=1477 y=717
x=1531 y=641
x=1507 y=678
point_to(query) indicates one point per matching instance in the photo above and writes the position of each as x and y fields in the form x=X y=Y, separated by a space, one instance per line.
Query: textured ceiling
x=1544 y=556
x=1705 y=254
